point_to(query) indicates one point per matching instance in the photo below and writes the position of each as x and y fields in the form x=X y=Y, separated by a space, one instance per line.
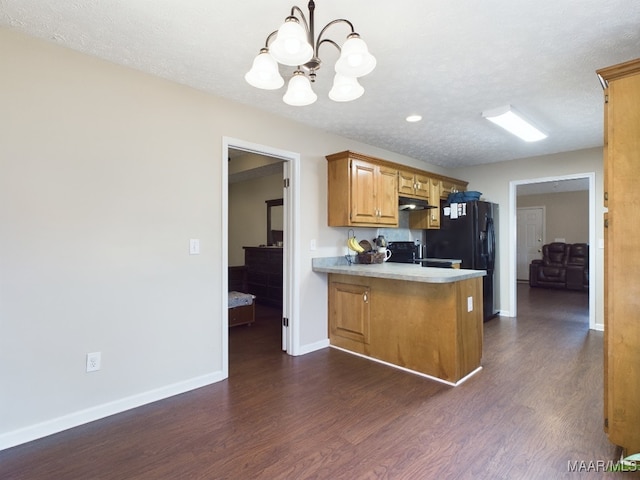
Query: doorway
x=589 y=179
x=290 y=164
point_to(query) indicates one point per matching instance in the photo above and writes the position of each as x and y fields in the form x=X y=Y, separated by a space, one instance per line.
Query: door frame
x=513 y=185
x=290 y=267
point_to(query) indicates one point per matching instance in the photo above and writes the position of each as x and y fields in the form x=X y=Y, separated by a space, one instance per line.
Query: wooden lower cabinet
x=424 y=327
x=350 y=309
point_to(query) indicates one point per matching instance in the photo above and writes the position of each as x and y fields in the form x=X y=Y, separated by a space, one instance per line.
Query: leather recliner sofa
x=563 y=265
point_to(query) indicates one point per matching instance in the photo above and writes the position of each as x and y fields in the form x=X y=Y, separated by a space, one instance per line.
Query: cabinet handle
x=365 y=297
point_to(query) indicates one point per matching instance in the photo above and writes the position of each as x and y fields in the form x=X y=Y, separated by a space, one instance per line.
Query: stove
x=403 y=252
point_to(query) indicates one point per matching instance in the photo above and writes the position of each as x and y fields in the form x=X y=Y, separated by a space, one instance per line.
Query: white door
x=530 y=238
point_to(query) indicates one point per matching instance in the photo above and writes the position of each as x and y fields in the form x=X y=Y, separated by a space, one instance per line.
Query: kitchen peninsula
x=421 y=319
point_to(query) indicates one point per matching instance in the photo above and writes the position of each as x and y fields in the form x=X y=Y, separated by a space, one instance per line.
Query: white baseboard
x=49 y=427
x=414 y=372
x=312 y=347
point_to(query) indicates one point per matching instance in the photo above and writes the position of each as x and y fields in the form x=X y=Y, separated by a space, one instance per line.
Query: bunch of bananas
x=353 y=244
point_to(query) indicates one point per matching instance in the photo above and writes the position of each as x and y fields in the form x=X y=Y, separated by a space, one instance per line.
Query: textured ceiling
x=447 y=61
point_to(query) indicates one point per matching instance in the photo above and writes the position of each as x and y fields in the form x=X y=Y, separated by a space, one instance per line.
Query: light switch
x=312 y=244
x=469 y=304
x=194 y=246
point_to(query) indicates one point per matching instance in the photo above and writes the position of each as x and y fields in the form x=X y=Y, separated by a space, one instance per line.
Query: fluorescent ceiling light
x=414 y=118
x=512 y=121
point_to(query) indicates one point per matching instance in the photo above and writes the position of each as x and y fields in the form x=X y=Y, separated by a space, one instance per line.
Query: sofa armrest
x=533 y=272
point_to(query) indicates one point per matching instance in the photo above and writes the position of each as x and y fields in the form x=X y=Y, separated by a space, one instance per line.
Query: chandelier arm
x=269 y=38
x=308 y=28
x=328 y=40
x=333 y=22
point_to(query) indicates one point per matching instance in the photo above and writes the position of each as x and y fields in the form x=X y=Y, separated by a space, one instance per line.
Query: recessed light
x=414 y=118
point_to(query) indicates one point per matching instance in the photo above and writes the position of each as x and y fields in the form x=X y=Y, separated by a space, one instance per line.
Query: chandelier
x=294 y=44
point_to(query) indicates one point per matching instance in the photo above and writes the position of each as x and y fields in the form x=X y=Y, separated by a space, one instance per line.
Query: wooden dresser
x=264 y=274
x=622 y=254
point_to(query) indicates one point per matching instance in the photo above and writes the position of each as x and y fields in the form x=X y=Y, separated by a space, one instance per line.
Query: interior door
x=286 y=257
x=530 y=232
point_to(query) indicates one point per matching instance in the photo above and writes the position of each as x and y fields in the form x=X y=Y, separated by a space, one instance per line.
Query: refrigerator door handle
x=491 y=243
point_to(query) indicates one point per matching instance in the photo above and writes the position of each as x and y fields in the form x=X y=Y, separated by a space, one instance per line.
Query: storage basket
x=461 y=197
x=371 y=257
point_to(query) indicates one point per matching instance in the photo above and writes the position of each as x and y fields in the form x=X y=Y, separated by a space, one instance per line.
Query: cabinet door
x=413 y=184
x=406 y=183
x=447 y=187
x=434 y=213
x=363 y=186
x=422 y=187
x=386 y=195
x=349 y=314
x=622 y=263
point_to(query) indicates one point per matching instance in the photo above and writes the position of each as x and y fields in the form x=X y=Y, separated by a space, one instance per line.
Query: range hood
x=407 y=203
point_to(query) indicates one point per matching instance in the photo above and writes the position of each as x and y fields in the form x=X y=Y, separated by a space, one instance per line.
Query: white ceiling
x=447 y=61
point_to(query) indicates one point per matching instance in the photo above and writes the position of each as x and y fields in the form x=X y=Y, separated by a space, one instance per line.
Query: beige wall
x=566 y=215
x=248 y=214
x=105 y=175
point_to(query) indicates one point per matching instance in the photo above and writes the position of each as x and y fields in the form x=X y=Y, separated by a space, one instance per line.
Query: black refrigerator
x=467 y=232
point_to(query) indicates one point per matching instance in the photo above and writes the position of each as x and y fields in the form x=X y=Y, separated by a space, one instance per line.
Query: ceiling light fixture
x=294 y=44
x=512 y=121
x=413 y=118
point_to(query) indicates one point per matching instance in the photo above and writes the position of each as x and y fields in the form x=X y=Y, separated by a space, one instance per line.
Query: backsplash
x=403 y=233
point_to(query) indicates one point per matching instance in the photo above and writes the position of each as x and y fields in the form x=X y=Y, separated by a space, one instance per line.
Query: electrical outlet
x=93 y=361
x=469 y=304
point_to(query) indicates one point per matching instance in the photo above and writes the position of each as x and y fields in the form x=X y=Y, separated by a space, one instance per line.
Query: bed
x=242 y=308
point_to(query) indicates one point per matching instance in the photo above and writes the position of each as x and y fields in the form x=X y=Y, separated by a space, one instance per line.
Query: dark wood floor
x=535 y=408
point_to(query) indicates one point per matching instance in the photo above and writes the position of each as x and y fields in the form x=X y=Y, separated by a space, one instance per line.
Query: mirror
x=275 y=221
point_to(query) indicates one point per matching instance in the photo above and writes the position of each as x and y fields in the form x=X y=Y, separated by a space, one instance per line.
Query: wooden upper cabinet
x=429 y=218
x=361 y=192
x=434 y=213
x=622 y=255
x=413 y=184
x=448 y=186
x=374 y=194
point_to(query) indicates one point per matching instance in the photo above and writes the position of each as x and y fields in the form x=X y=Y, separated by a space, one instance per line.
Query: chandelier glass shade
x=264 y=72
x=345 y=89
x=294 y=44
x=291 y=46
x=299 y=92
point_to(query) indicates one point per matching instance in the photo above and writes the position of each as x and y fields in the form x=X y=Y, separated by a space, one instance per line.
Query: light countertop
x=394 y=271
